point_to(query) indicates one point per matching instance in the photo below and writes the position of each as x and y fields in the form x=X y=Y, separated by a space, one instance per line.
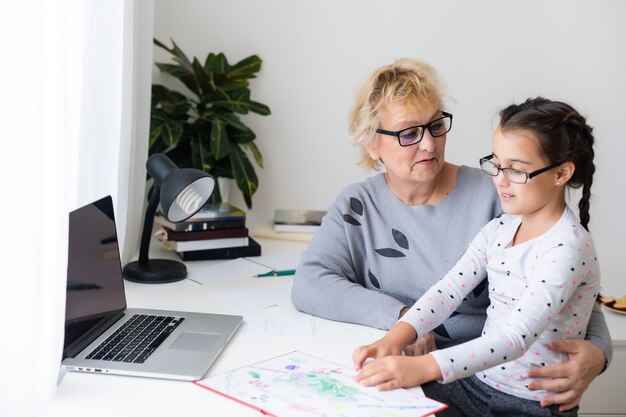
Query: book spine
x=231 y=242
x=215 y=224
x=295 y=228
x=205 y=234
x=253 y=249
x=232 y=223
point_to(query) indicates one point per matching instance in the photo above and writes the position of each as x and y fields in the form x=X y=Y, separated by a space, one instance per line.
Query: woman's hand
x=568 y=381
x=423 y=345
x=393 y=372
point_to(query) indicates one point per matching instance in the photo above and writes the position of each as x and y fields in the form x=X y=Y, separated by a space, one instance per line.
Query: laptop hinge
x=93 y=334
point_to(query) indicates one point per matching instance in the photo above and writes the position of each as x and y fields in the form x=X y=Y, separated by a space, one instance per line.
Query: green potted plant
x=200 y=127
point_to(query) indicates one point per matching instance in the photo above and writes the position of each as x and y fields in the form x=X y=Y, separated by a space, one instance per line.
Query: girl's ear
x=564 y=172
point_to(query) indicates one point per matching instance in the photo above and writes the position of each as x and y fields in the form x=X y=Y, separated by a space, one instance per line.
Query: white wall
x=490 y=53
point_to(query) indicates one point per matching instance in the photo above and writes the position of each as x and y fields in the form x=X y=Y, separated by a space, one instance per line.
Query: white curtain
x=74 y=110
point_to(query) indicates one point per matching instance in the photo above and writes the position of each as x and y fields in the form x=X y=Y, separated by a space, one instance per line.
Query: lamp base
x=155 y=271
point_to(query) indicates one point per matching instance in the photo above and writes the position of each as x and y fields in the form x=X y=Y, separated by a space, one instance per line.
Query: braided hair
x=563 y=135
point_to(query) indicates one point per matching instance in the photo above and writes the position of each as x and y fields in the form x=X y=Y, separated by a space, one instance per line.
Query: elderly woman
x=387 y=240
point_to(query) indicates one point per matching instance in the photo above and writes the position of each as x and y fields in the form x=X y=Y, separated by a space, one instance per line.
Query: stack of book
x=217 y=231
x=294 y=225
x=297 y=221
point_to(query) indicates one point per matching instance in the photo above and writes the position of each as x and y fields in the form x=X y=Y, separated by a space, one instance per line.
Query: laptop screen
x=95 y=286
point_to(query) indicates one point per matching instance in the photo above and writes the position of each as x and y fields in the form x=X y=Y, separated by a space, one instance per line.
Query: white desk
x=83 y=394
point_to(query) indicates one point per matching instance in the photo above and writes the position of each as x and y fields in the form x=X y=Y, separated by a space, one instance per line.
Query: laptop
x=103 y=336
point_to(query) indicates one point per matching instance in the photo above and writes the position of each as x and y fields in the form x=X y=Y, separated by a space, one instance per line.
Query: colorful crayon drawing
x=297 y=384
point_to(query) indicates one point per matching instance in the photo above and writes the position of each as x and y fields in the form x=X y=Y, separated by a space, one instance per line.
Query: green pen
x=276 y=273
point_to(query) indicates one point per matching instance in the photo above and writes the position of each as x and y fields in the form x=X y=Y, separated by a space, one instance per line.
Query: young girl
x=542 y=269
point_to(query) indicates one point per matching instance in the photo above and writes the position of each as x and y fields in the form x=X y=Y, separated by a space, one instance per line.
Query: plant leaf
x=259 y=108
x=167 y=130
x=256 y=153
x=236 y=101
x=171 y=133
x=228 y=84
x=154 y=136
x=216 y=63
x=232 y=120
x=173 y=103
x=179 y=55
x=219 y=139
x=182 y=74
x=203 y=80
x=222 y=168
x=244 y=174
x=201 y=156
x=246 y=68
x=241 y=137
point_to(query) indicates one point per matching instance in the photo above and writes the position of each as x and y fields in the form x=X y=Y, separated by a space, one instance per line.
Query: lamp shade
x=183 y=191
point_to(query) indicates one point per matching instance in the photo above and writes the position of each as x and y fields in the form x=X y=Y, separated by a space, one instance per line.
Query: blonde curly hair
x=407 y=81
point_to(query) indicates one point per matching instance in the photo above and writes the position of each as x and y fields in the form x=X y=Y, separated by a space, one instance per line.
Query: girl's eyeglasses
x=514 y=175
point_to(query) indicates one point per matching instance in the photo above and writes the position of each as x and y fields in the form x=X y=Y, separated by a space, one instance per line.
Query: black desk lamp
x=182 y=193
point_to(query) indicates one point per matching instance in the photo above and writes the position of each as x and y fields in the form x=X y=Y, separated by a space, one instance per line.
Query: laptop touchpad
x=195 y=341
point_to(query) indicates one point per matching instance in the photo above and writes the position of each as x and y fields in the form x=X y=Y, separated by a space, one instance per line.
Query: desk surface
x=81 y=394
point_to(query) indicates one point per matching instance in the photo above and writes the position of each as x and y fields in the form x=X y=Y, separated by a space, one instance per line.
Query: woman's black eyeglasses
x=414 y=134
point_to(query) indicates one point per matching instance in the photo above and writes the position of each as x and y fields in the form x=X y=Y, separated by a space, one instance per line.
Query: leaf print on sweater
x=373 y=279
x=400 y=238
x=390 y=253
x=357 y=207
x=349 y=219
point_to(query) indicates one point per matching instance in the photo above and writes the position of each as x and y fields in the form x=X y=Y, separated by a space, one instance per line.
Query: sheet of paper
x=243 y=299
x=300 y=385
x=226 y=271
x=301 y=325
x=278 y=261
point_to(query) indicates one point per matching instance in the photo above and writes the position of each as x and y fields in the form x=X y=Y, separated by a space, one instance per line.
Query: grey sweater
x=374 y=255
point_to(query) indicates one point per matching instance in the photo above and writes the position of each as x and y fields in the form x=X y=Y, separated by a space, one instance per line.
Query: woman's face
x=419 y=163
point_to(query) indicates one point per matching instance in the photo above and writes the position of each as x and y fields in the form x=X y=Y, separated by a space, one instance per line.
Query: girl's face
x=419 y=163
x=520 y=150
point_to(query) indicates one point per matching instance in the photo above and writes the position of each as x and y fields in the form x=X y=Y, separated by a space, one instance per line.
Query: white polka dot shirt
x=540 y=291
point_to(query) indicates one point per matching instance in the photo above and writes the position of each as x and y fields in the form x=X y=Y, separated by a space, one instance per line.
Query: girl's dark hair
x=563 y=134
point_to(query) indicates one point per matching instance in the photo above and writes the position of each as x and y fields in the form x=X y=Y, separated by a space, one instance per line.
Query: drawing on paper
x=297 y=384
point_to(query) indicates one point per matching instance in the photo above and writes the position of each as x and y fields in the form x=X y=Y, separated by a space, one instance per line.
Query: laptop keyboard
x=137 y=339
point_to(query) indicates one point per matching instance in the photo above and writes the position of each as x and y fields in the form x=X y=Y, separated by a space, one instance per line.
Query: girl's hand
x=393 y=372
x=392 y=343
x=379 y=349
